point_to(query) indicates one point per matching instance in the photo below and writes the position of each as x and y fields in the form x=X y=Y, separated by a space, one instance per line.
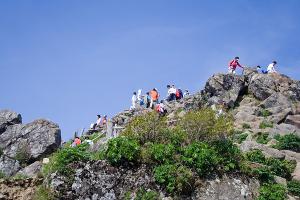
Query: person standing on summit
x=233 y=64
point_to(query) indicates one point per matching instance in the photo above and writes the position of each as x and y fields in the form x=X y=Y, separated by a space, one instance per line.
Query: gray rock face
x=225 y=87
x=31 y=170
x=28 y=142
x=293 y=120
x=264 y=85
x=8 y=118
x=228 y=188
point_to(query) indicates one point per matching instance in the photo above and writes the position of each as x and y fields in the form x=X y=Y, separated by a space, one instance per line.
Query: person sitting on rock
x=171 y=93
x=97 y=124
x=271 y=67
x=104 y=121
x=259 y=69
x=147 y=100
x=233 y=64
x=186 y=93
x=179 y=94
x=154 y=97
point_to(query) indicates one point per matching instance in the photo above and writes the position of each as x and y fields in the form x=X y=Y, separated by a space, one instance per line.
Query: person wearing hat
x=233 y=64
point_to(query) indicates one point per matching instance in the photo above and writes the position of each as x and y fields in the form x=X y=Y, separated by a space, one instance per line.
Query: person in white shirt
x=133 y=101
x=171 y=93
x=98 y=122
x=271 y=67
x=186 y=93
x=139 y=95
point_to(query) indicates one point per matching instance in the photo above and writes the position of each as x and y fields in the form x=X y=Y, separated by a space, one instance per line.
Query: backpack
x=177 y=93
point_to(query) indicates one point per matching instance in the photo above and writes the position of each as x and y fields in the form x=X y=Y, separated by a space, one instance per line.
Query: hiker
x=171 y=93
x=76 y=142
x=233 y=64
x=147 y=100
x=179 y=94
x=104 y=120
x=186 y=93
x=97 y=124
x=271 y=67
x=139 y=95
x=133 y=101
x=258 y=68
x=160 y=108
x=154 y=97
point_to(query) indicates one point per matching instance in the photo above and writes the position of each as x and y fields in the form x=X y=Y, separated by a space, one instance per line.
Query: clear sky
x=68 y=60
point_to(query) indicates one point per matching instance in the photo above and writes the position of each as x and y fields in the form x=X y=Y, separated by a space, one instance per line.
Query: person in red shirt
x=233 y=64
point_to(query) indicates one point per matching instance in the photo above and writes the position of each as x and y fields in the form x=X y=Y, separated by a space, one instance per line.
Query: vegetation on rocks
x=288 y=142
x=294 y=187
x=272 y=192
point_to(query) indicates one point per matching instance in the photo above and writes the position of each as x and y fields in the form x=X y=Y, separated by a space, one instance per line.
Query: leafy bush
x=246 y=126
x=229 y=155
x=162 y=153
x=261 y=172
x=2 y=175
x=262 y=138
x=20 y=177
x=265 y=112
x=239 y=137
x=23 y=154
x=122 y=150
x=272 y=192
x=142 y=194
x=202 y=157
x=264 y=124
x=256 y=156
x=294 y=187
x=282 y=168
x=288 y=142
x=146 y=128
x=176 y=179
x=59 y=160
x=204 y=125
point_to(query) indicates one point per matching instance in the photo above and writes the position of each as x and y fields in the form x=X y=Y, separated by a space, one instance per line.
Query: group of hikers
x=234 y=63
x=151 y=99
x=101 y=122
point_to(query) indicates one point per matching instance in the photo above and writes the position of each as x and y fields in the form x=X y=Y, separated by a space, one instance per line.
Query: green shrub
x=202 y=157
x=20 y=177
x=98 y=155
x=264 y=124
x=203 y=125
x=176 y=179
x=282 y=168
x=142 y=194
x=262 y=138
x=146 y=128
x=229 y=155
x=122 y=150
x=59 y=160
x=263 y=173
x=288 y=142
x=23 y=155
x=265 y=113
x=256 y=156
x=294 y=187
x=242 y=137
x=272 y=192
x=246 y=126
x=43 y=193
x=162 y=153
x=2 y=175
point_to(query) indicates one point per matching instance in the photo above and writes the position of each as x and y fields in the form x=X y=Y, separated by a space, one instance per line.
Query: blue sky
x=68 y=60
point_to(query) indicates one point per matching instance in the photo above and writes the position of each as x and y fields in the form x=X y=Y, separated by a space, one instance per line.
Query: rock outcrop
x=23 y=144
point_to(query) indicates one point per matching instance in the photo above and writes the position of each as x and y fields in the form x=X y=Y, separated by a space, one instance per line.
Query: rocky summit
x=238 y=138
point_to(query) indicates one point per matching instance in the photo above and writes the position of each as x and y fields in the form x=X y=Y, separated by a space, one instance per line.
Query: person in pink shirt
x=233 y=64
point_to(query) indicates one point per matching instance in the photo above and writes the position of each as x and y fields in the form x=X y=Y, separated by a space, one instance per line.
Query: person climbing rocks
x=271 y=67
x=154 y=97
x=186 y=93
x=97 y=124
x=179 y=94
x=233 y=64
x=171 y=93
x=147 y=100
x=133 y=101
x=104 y=121
x=160 y=108
x=76 y=142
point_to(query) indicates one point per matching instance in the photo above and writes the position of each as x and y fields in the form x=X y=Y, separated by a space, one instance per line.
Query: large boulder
x=264 y=85
x=225 y=87
x=23 y=144
x=8 y=118
x=294 y=120
x=37 y=139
